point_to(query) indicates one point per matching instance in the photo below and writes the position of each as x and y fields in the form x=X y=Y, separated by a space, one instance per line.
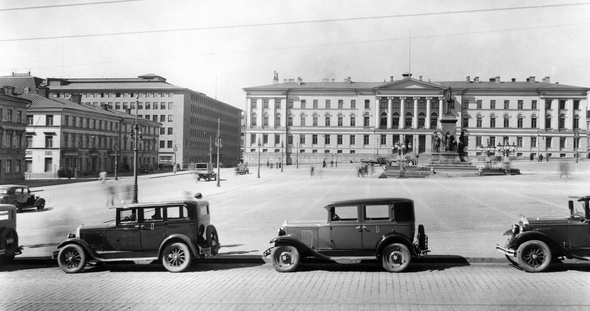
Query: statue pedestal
x=446 y=157
x=450 y=161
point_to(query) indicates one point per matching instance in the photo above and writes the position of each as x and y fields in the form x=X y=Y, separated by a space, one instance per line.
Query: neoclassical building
x=308 y=122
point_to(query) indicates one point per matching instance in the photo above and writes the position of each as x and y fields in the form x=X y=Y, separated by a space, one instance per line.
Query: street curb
x=257 y=259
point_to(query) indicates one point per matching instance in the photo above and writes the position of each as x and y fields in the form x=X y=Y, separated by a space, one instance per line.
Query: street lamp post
x=297 y=155
x=136 y=134
x=258 y=157
x=218 y=144
x=116 y=159
x=282 y=156
x=576 y=143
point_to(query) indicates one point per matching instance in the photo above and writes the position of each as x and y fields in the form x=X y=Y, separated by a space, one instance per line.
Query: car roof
x=6 y=207
x=162 y=204
x=13 y=186
x=370 y=201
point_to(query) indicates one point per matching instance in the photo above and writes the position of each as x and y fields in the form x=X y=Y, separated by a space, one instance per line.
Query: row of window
x=115 y=95
x=315 y=118
x=11 y=140
x=533 y=141
x=11 y=167
x=520 y=121
x=157 y=118
x=8 y=115
x=561 y=104
x=141 y=105
x=315 y=104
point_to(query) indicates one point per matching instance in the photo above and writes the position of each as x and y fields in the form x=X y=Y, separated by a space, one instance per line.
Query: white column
x=555 y=115
x=375 y=113
x=428 y=112
x=389 y=109
x=569 y=121
x=272 y=112
x=248 y=112
x=542 y=113
x=415 y=116
x=259 y=112
x=402 y=112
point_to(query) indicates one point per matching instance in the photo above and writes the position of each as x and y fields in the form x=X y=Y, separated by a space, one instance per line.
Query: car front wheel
x=19 y=207
x=285 y=258
x=396 y=257
x=9 y=240
x=71 y=258
x=176 y=257
x=534 y=256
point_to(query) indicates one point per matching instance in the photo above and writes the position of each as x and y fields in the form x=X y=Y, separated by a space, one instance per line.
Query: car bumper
x=506 y=251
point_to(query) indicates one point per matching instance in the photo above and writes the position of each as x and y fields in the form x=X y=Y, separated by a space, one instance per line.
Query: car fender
x=303 y=249
x=536 y=235
x=79 y=242
x=394 y=237
x=178 y=237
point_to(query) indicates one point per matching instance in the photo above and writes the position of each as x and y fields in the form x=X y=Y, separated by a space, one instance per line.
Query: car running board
x=352 y=259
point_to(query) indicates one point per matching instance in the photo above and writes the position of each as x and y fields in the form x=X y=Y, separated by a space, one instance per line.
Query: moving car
x=173 y=232
x=8 y=236
x=20 y=196
x=355 y=230
x=534 y=243
x=205 y=171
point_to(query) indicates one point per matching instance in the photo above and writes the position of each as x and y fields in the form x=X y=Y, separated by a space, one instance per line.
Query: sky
x=220 y=47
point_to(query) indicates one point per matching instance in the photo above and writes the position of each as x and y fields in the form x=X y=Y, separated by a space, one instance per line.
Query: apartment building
x=12 y=135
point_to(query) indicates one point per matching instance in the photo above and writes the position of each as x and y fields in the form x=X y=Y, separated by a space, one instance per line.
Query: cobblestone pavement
x=315 y=287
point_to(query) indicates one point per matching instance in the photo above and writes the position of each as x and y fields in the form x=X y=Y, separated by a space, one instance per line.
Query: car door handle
x=361 y=228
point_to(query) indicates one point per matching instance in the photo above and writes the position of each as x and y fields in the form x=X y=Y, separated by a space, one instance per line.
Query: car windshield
x=3 y=191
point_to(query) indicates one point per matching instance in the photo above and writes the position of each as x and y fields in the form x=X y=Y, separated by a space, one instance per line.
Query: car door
x=125 y=235
x=152 y=228
x=579 y=234
x=377 y=220
x=345 y=228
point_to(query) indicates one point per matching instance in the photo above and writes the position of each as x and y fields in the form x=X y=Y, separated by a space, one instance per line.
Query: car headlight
x=75 y=234
x=281 y=232
x=515 y=229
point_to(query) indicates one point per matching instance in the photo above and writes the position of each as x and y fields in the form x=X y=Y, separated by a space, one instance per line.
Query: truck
x=205 y=171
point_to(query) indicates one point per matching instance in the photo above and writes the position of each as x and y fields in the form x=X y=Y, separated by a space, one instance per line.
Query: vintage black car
x=355 y=230
x=174 y=232
x=20 y=196
x=534 y=243
x=8 y=237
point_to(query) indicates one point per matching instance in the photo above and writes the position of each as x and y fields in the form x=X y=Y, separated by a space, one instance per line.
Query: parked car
x=534 y=243
x=242 y=169
x=205 y=171
x=355 y=230
x=174 y=232
x=146 y=168
x=8 y=237
x=20 y=196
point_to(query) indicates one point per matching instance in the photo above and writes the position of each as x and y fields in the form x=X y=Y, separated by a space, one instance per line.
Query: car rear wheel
x=176 y=257
x=41 y=205
x=71 y=258
x=396 y=257
x=285 y=258
x=534 y=256
x=213 y=240
x=9 y=240
x=19 y=207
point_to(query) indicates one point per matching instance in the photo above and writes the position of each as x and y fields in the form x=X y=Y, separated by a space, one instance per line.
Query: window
x=366 y=121
x=533 y=142
x=48 y=120
x=315 y=104
x=340 y=121
x=352 y=139
x=48 y=165
x=169 y=106
x=479 y=121
x=339 y=139
x=506 y=121
x=365 y=140
x=478 y=102
x=383 y=139
x=367 y=104
x=277 y=120
x=465 y=121
x=377 y=212
x=8 y=166
x=561 y=142
x=29 y=141
x=433 y=120
x=302 y=121
x=492 y=104
x=314 y=139
x=548 y=121
x=169 y=131
x=576 y=124
x=277 y=139
x=163 y=106
x=148 y=106
x=265 y=103
x=520 y=104
x=352 y=120
x=519 y=142
x=533 y=121
x=140 y=105
x=408 y=120
x=340 y=104
x=162 y=144
x=48 y=141
x=315 y=120
x=534 y=104
x=278 y=103
x=492 y=121
x=303 y=103
x=353 y=104
x=327 y=104
x=253 y=119
x=383 y=103
x=327 y=139
x=169 y=118
x=547 y=104
x=548 y=142
x=181 y=212
x=520 y=121
x=289 y=120
x=162 y=118
x=506 y=104
x=561 y=104
x=422 y=103
x=562 y=121
x=576 y=104
x=327 y=120
x=29 y=120
x=344 y=213
x=9 y=116
x=302 y=139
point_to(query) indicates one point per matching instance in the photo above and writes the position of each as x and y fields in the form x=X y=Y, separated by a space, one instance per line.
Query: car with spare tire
x=174 y=232
x=354 y=231
x=8 y=236
x=534 y=243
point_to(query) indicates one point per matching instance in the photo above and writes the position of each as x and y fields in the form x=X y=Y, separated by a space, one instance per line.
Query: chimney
x=531 y=79
x=348 y=80
x=420 y=78
x=468 y=79
x=275 y=79
x=391 y=78
x=497 y=79
x=476 y=79
x=547 y=79
x=76 y=98
x=43 y=91
x=325 y=80
x=299 y=80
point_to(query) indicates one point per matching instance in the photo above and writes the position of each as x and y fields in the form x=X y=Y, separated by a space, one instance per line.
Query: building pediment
x=411 y=86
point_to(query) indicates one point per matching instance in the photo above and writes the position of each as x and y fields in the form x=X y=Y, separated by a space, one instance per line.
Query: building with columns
x=309 y=122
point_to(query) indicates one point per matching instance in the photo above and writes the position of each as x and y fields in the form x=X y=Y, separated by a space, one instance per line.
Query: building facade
x=309 y=122
x=12 y=136
x=67 y=138
x=189 y=119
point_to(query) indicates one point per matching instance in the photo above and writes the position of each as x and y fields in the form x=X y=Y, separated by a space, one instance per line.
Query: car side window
x=176 y=212
x=4 y=215
x=128 y=216
x=377 y=212
x=344 y=213
x=152 y=214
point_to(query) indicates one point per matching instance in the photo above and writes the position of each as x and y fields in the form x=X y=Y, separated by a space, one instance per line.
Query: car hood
x=544 y=220
x=96 y=227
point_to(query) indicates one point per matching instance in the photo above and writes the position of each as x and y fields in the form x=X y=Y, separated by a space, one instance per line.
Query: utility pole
x=218 y=144
x=136 y=134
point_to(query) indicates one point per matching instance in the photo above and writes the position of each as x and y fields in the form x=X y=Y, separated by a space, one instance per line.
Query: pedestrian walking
x=103 y=177
x=312 y=171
